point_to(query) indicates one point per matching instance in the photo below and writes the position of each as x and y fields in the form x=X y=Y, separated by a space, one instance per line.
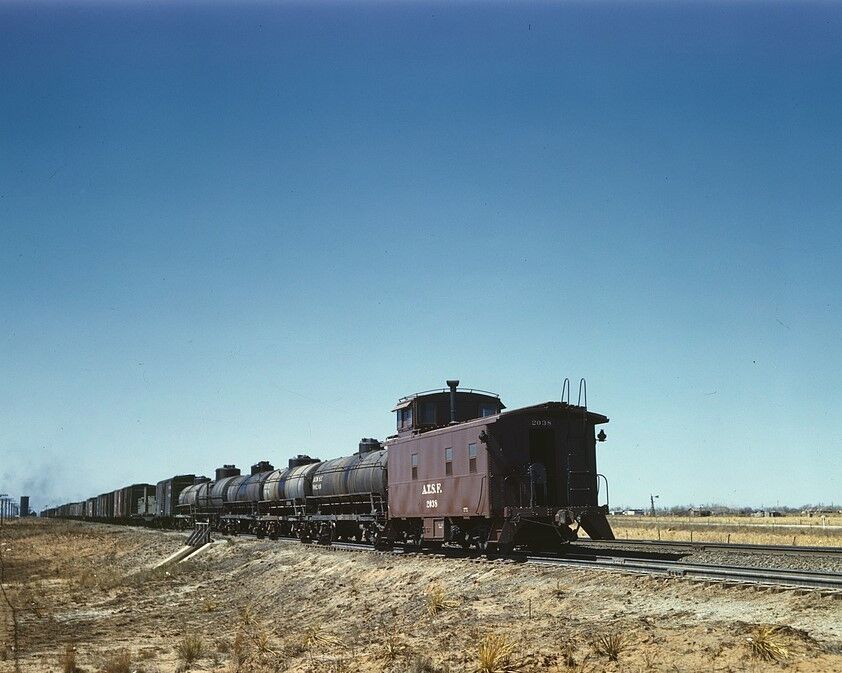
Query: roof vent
x=453 y=384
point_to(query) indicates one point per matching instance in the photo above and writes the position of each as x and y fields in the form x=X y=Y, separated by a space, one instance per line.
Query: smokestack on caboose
x=453 y=385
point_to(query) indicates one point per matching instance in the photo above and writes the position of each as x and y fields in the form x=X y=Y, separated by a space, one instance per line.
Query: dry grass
x=568 y=654
x=254 y=648
x=105 y=578
x=190 y=648
x=239 y=649
x=495 y=654
x=649 y=663
x=68 y=660
x=391 y=649
x=255 y=653
x=439 y=600
x=788 y=530
x=767 y=643
x=610 y=645
x=293 y=647
x=316 y=637
x=558 y=592
x=422 y=664
x=262 y=642
x=334 y=665
x=811 y=523
x=248 y=616
x=390 y=632
x=119 y=662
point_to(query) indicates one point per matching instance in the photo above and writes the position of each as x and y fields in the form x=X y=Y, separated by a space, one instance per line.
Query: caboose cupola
x=433 y=409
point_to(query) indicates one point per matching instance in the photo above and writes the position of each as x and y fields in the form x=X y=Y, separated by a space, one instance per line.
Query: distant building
x=633 y=512
x=766 y=513
x=817 y=512
x=696 y=511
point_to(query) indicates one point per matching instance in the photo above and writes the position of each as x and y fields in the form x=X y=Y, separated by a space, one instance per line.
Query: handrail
x=583 y=386
x=447 y=390
x=565 y=386
x=598 y=475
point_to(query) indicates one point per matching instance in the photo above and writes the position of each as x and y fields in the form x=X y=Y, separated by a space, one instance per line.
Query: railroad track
x=794 y=579
x=765 y=577
x=718 y=546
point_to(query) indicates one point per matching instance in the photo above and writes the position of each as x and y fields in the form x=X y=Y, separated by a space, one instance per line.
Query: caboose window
x=448 y=461
x=405 y=417
x=487 y=410
x=414 y=461
x=472 y=458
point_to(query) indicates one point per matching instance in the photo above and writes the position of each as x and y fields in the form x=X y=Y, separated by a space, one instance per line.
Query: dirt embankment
x=87 y=596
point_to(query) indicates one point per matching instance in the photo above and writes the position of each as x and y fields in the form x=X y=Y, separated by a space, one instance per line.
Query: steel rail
x=786 y=578
x=724 y=546
x=765 y=576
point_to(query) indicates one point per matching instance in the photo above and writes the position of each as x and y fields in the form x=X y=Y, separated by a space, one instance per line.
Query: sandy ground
x=281 y=606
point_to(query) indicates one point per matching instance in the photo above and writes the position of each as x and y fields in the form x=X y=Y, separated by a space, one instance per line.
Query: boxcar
x=167 y=492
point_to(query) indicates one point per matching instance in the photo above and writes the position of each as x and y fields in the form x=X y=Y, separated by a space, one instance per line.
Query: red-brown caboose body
x=489 y=476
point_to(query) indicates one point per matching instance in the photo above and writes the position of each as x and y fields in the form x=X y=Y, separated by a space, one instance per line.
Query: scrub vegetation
x=88 y=598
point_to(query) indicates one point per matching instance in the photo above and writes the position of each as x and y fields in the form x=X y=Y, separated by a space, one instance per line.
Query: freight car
x=485 y=477
x=135 y=501
x=460 y=469
x=167 y=493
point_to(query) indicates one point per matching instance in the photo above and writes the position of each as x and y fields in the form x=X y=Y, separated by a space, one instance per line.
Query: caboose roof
x=572 y=409
x=544 y=407
x=404 y=402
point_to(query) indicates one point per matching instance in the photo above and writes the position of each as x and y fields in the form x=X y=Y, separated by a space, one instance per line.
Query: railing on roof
x=447 y=390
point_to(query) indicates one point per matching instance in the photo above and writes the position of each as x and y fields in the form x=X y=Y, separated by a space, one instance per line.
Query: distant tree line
x=724 y=510
x=715 y=509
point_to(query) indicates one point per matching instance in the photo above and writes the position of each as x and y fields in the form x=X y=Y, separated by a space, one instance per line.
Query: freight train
x=460 y=469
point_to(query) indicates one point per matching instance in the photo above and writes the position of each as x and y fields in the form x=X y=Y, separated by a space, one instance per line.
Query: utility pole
x=652 y=502
x=3 y=497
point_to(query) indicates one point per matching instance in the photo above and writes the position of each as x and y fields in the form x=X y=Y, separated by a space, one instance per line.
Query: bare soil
x=89 y=593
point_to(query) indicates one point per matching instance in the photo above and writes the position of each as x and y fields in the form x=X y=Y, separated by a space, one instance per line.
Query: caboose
x=465 y=470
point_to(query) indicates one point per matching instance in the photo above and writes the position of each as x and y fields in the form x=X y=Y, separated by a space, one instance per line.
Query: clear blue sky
x=234 y=231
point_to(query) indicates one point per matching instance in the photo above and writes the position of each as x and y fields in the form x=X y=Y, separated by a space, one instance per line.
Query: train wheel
x=382 y=543
x=325 y=535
